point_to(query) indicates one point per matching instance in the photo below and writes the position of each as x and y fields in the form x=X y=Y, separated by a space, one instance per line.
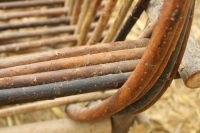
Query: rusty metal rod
x=76 y=11
x=43 y=42
x=38 y=43
x=80 y=61
x=21 y=4
x=132 y=19
x=60 y=89
x=46 y=12
x=124 y=7
x=68 y=74
x=84 y=9
x=49 y=21
x=91 y=13
x=46 y=31
x=70 y=52
x=102 y=22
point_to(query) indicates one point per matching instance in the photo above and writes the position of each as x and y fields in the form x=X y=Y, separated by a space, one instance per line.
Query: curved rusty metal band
x=160 y=84
x=180 y=14
x=132 y=19
x=174 y=71
x=157 y=49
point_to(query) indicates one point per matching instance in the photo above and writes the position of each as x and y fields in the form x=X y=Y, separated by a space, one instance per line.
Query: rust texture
x=71 y=52
x=60 y=89
x=174 y=71
x=103 y=20
x=67 y=74
x=180 y=24
x=167 y=75
x=66 y=63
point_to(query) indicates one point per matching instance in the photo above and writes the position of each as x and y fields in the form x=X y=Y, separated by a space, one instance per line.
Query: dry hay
x=178 y=110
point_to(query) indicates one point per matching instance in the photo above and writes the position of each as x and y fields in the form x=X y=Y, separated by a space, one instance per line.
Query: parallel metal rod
x=43 y=42
x=76 y=12
x=102 y=22
x=124 y=7
x=70 y=52
x=60 y=89
x=20 y=4
x=50 y=21
x=40 y=32
x=46 y=12
x=68 y=74
x=80 y=61
x=89 y=18
x=38 y=43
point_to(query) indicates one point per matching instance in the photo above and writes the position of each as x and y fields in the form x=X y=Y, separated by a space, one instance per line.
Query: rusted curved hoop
x=181 y=14
x=165 y=79
x=157 y=49
x=174 y=71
